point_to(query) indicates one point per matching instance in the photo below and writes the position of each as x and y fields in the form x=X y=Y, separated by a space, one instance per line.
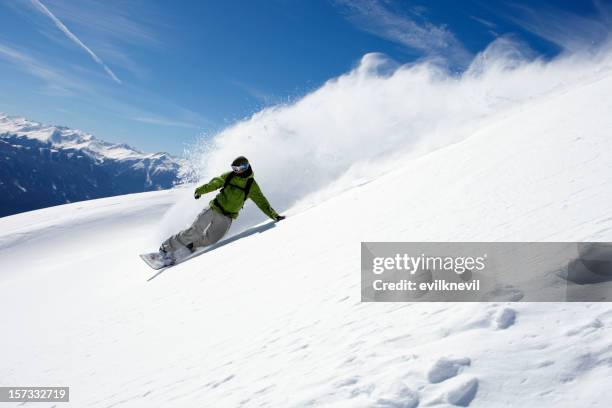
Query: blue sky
x=158 y=74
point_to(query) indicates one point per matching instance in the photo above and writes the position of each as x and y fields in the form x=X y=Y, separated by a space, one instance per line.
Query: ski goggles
x=240 y=168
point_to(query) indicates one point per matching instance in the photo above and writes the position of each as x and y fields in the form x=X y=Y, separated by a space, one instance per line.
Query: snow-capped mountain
x=44 y=165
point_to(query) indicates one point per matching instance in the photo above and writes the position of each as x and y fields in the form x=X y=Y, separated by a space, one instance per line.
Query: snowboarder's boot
x=166 y=257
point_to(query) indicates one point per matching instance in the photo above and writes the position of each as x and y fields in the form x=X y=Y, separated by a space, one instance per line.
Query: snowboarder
x=214 y=221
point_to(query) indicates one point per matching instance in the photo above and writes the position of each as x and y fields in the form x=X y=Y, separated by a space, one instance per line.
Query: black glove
x=196 y=195
x=279 y=217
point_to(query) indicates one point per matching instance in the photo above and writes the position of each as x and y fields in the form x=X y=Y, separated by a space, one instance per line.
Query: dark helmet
x=240 y=160
x=240 y=164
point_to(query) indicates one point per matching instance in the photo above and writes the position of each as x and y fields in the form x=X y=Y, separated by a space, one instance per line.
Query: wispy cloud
x=489 y=25
x=112 y=29
x=255 y=92
x=484 y=22
x=125 y=102
x=54 y=79
x=133 y=23
x=407 y=27
x=161 y=121
x=567 y=30
x=75 y=39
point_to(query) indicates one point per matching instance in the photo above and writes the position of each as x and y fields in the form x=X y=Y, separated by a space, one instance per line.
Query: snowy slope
x=274 y=319
x=45 y=165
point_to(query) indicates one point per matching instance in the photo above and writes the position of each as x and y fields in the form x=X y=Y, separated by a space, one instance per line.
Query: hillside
x=274 y=319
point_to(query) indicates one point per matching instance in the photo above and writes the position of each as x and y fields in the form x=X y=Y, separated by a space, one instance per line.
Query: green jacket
x=230 y=200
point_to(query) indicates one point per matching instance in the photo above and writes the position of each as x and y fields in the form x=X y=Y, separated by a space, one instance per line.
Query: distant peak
x=61 y=136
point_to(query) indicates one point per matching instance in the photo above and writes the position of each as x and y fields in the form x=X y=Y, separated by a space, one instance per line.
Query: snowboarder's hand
x=196 y=195
x=279 y=217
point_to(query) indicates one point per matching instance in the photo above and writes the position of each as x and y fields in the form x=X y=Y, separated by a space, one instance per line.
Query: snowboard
x=153 y=260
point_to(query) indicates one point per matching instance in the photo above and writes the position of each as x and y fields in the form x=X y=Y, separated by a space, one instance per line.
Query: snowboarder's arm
x=214 y=184
x=257 y=196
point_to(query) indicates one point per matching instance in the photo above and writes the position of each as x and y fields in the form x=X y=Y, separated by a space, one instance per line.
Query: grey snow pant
x=208 y=228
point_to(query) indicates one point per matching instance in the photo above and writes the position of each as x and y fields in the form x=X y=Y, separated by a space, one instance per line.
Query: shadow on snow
x=251 y=231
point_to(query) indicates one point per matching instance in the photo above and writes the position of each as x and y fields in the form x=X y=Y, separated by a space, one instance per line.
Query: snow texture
x=273 y=318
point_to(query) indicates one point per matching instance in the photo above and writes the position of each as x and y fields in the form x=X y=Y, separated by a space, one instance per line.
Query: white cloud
x=131 y=23
x=161 y=121
x=567 y=30
x=407 y=27
x=56 y=80
x=484 y=22
x=75 y=39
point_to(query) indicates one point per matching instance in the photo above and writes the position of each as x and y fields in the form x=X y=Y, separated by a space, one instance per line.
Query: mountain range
x=45 y=165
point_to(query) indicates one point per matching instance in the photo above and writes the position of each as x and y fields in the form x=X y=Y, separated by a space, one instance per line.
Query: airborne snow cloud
x=367 y=121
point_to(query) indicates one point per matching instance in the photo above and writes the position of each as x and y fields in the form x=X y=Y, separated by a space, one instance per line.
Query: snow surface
x=274 y=318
